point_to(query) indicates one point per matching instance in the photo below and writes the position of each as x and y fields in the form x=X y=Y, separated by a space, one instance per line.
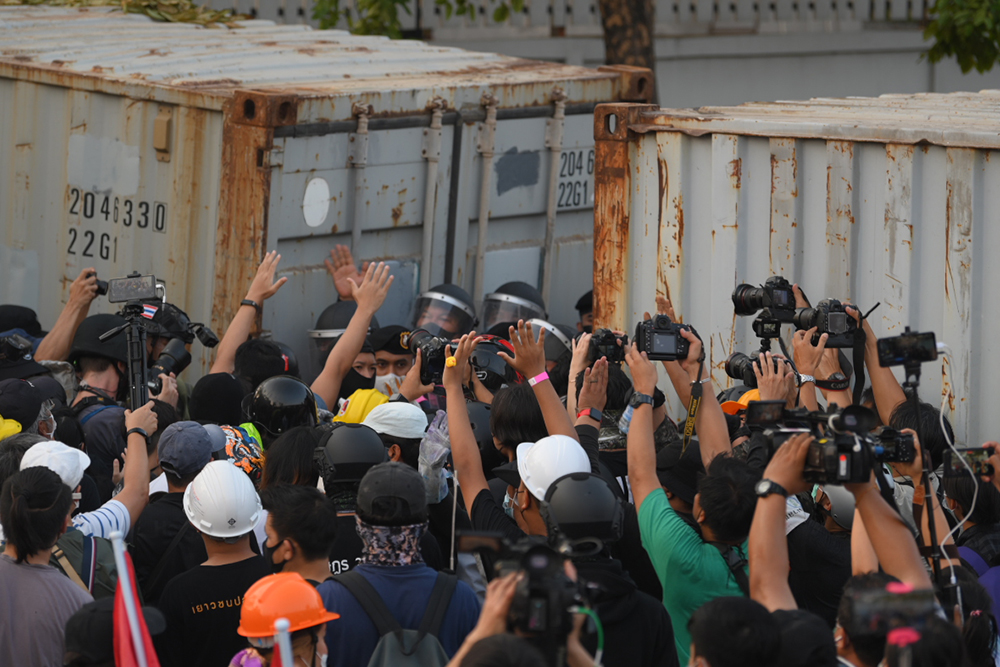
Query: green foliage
x=174 y=11
x=381 y=17
x=966 y=29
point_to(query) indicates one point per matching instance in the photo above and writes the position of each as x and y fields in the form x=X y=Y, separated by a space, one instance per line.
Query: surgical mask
x=507 y=507
x=322 y=660
x=353 y=382
x=389 y=384
x=76 y=500
x=268 y=554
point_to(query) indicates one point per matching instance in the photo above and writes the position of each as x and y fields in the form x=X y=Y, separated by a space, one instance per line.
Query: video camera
x=661 y=339
x=432 y=354
x=606 y=343
x=831 y=318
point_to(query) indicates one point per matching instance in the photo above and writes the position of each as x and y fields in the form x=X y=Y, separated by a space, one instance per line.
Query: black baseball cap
x=509 y=473
x=392 y=494
x=679 y=470
x=90 y=631
x=390 y=339
x=21 y=401
x=20 y=317
x=185 y=448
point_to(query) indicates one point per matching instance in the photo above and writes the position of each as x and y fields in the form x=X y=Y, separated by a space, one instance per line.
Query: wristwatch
x=806 y=378
x=593 y=413
x=766 y=487
x=638 y=399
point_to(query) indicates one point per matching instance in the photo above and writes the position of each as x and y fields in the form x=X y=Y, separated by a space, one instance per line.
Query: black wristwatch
x=766 y=487
x=638 y=399
x=140 y=431
x=593 y=413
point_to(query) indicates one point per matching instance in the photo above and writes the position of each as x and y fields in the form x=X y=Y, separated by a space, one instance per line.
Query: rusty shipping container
x=893 y=199
x=189 y=152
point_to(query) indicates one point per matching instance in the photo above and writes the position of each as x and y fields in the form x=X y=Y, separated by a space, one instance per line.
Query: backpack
x=398 y=647
x=88 y=561
x=989 y=577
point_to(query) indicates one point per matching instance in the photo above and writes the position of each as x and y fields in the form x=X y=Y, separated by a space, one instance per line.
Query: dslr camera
x=894 y=447
x=829 y=317
x=173 y=359
x=606 y=343
x=661 y=339
x=775 y=295
x=740 y=367
x=432 y=354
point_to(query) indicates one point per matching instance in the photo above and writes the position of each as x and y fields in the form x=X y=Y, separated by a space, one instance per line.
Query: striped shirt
x=103 y=521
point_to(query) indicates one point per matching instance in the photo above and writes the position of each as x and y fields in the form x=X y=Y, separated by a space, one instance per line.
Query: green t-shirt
x=691 y=570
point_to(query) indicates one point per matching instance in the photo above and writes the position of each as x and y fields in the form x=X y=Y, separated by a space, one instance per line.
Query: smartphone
x=909 y=348
x=132 y=288
x=765 y=412
x=977 y=458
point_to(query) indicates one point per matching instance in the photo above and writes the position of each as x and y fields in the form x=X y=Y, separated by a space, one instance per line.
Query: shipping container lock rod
x=487 y=145
x=554 y=142
x=432 y=153
x=358 y=159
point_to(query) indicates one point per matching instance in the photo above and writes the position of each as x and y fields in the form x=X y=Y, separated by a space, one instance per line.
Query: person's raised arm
x=465 y=454
x=863 y=557
x=57 y=343
x=640 y=450
x=890 y=536
x=888 y=394
x=807 y=360
x=710 y=422
x=343 y=270
x=593 y=396
x=263 y=287
x=370 y=295
x=135 y=492
x=529 y=361
x=677 y=375
x=768 y=550
x=580 y=360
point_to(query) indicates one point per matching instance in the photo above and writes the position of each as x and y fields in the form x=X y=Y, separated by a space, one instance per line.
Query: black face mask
x=268 y=554
x=354 y=381
x=587 y=328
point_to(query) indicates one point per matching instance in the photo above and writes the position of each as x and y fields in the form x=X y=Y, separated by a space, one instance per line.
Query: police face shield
x=556 y=342
x=499 y=308
x=443 y=315
x=321 y=341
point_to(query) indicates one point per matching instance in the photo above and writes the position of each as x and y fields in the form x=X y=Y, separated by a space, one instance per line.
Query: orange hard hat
x=283 y=595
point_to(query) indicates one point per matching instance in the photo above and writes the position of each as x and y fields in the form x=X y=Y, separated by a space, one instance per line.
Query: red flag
x=125 y=654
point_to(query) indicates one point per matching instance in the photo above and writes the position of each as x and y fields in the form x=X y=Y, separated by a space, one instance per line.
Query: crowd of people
x=429 y=495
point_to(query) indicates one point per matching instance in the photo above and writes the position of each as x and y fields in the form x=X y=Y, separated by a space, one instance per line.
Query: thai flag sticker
x=149 y=311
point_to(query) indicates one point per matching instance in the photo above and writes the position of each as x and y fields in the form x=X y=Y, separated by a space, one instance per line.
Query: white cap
x=65 y=461
x=398 y=420
x=221 y=501
x=543 y=462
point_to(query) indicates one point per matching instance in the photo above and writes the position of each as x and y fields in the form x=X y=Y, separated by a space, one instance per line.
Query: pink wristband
x=541 y=377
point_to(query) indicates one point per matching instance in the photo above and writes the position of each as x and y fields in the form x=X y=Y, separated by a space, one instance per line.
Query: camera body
x=776 y=295
x=740 y=367
x=15 y=347
x=661 y=339
x=605 y=343
x=894 y=447
x=840 y=458
x=173 y=359
x=432 y=354
x=831 y=318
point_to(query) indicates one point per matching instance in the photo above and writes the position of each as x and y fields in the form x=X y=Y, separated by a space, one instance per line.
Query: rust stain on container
x=736 y=172
x=397 y=213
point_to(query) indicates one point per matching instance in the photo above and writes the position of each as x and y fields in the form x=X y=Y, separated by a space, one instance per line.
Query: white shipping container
x=189 y=152
x=893 y=200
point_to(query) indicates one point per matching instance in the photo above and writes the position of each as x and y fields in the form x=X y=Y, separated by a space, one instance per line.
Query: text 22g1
x=112 y=209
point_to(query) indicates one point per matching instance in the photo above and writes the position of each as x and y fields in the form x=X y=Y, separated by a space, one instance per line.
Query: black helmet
x=511 y=302
x=330 y=326
x=291 y=362
x=347 y=452
x=169 y=321
x=445 y=310
x=479 y=418
x=490 y=367
x=582 y=507
x=338 y=315
x=87 y=343
x=558 y=338
x=281 y=403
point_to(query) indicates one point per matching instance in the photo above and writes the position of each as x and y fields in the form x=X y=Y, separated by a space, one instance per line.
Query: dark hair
x=302 y=514
x=940 y=645
x=932 y=438
x=68 y=427
x=728 y=498
x=33 y=510
x=503 y=650
x=735 y=632
x=12 y=450
x=88 y=364
x=618 y=387
x=516 y=417
x=979 y=626
x=559 y=375
x=409 y=448
x=962 y=489
x=166 y=415
x=180 y=481
x=869 y=648
x=289 y=458
x=257 y=360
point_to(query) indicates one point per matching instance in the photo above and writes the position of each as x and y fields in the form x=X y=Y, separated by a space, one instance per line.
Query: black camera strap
x=693 y=404
x=860 y=339
x=737 y=563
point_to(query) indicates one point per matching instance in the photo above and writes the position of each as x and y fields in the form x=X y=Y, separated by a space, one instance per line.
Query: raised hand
x=264 y=285
x=370 y=294
x=594 y=392
x=454 y=373
x=643 y=370
x=691 y=364
x=143 y=418
x=787 y=463
x=83 y=290
x=808 y=357
x=412 y=388
x=342 y=269
x=772 y=384
x=529 y=353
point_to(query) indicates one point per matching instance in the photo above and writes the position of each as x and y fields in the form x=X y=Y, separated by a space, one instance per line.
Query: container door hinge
x=276 y=156
x=162 y=131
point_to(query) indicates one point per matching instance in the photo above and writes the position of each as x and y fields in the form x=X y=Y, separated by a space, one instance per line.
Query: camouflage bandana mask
x=390 y=546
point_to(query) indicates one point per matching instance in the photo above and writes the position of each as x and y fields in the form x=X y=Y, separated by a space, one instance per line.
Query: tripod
x=135 y=336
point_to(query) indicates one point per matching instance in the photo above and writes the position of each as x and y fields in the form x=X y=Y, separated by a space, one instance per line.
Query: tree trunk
x=628 y=32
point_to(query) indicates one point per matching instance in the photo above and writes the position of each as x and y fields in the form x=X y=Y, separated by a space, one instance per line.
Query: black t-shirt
x=806 y=641
x=633 y=556
x=202 y=610
x=487 y=516
x=615 y=468
x=347 y=547
x=820 y=564
x=151 y=538
x=439 y=522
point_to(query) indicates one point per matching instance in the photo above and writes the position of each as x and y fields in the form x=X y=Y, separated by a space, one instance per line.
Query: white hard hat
x=65 y=461
x=543 y=462
x=221 y=501
x=398 y=420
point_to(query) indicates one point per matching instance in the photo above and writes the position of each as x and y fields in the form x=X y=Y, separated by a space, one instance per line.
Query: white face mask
x=389 y=384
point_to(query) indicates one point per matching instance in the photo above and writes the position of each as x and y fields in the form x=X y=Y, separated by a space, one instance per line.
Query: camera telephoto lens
x=805 y=319
x=747 y=299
